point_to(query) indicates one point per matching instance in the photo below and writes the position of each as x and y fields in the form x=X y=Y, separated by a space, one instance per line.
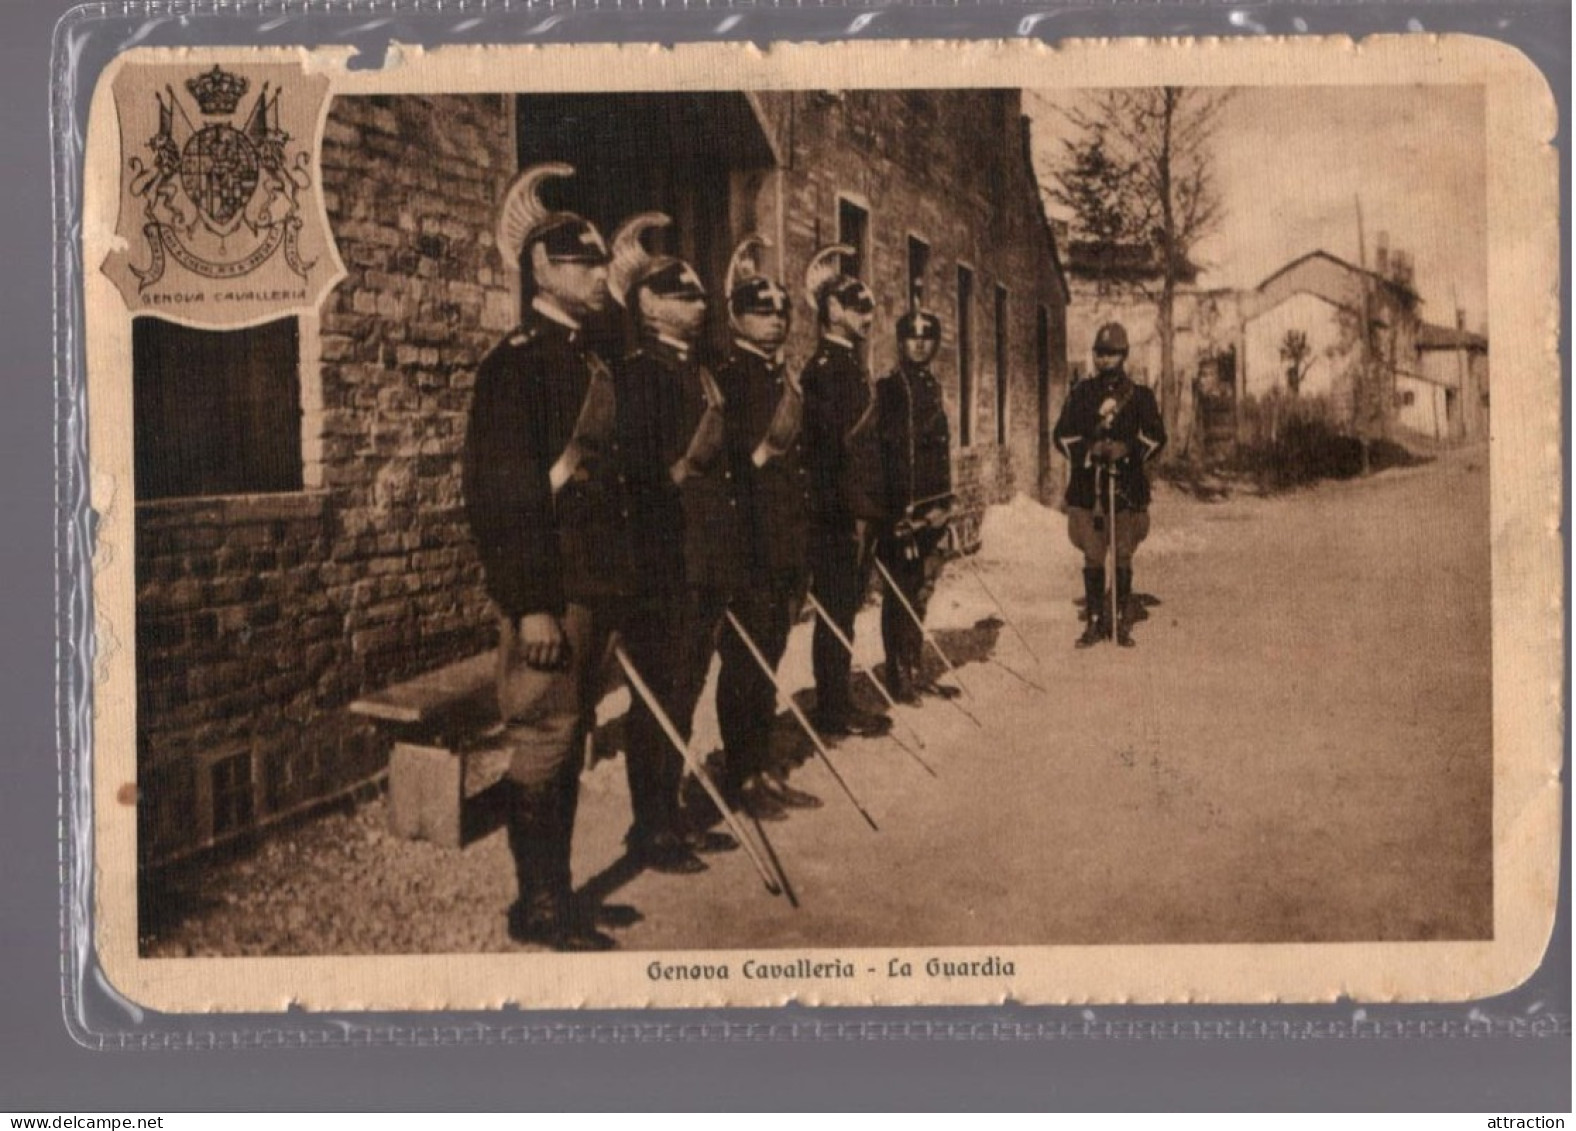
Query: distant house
x=1324 y=297
x=1448 y=399
x=300 y=533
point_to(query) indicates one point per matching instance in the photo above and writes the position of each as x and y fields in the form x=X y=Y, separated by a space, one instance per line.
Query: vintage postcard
x=875 y=522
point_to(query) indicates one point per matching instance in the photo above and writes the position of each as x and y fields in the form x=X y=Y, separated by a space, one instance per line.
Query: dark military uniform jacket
x=774 y=498
x=680 y=533
x=840 y=452
x=915 y=442
x=1110 y=408
x=538 y=551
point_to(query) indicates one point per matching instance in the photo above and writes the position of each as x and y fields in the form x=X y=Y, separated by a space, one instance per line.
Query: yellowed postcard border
x=1526 y=470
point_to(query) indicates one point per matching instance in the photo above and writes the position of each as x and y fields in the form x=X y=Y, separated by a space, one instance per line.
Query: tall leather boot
x=539 y=836
x=1124 y=613
x=1095 y=627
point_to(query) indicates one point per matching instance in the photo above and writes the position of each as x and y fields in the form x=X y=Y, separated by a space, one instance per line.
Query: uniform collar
x=837 y=340
x=750 y=347
x=669 y=347
x=1113 y=382
x=551 y=311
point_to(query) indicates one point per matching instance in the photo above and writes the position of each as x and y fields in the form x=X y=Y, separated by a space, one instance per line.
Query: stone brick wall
x=951 y=169
x=261 y=617
x=401 y=337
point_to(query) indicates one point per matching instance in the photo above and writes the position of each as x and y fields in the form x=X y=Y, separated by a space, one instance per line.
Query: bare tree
x=1298 y=356
x=1139 y=176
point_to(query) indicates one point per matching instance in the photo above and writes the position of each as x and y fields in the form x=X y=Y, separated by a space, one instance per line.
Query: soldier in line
x=911 y=429
x=764 y=412
x=542 y=500
x=843 y=482
x=1109 y=430
x=680 y=519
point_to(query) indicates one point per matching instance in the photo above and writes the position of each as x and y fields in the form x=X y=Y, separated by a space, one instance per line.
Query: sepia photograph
x=820 y=537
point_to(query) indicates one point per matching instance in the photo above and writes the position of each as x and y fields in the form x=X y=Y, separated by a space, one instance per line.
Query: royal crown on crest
x=217 y=92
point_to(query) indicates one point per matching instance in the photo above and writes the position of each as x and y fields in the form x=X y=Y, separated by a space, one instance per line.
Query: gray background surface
x=43 y=1069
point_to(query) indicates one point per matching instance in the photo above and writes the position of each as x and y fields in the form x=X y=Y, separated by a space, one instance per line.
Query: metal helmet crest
x=524 y=219
x=824 y=278
x=750 y=290
x=824 y=273
x=631 y=261
x=633 y=266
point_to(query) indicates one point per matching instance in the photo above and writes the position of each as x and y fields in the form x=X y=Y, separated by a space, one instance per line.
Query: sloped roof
x=1339 y=262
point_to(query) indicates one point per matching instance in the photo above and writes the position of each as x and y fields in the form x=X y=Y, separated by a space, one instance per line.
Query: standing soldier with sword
x=838 y=404
x=1109 y=430
x=764 y=412
x=912 y=432
x=542 y=501
x=682 y=533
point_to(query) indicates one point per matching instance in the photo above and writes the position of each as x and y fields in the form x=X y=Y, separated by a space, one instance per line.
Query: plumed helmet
x=634 y=267
x=1111 y=338
x=750 y=289
x=824 y=279
x=921 y=324
x=524 y=220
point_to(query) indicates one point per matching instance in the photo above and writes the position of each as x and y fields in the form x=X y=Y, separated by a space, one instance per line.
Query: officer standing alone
x=1109 y=430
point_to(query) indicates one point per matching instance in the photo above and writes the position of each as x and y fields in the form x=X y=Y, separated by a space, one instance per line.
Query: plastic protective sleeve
x=89 y=36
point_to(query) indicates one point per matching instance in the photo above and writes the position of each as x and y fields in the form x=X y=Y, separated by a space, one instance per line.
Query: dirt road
x=1297 y=750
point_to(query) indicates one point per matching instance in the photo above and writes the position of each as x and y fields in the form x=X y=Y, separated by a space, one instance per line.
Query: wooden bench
x=435 y=719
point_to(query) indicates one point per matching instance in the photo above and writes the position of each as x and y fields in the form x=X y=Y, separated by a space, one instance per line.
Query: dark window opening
x=853 y=229
x=965 y=356
x=1003 y=384
x=216 y=412
x=918 y=263
x=230 y=785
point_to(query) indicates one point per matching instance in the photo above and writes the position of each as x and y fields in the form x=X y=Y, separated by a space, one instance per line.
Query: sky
x=1293 y=162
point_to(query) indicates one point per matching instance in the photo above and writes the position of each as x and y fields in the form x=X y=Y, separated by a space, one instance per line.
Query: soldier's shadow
x=703 y=813
x=593 y=895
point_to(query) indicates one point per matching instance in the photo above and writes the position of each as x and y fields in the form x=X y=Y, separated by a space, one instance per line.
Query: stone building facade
x=1325 y=297
x=300 y=535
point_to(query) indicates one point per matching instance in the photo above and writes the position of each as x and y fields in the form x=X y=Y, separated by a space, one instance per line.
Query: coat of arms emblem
x=219 y=211
x=230 y=226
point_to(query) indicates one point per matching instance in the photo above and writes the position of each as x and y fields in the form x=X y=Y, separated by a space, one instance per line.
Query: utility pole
x=1364 y=390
